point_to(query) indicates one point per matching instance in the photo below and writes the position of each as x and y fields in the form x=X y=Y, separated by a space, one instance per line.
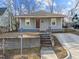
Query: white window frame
x=53 y=20
x=27 y=20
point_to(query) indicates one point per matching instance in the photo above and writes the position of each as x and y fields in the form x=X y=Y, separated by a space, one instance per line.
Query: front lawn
x=29 y=53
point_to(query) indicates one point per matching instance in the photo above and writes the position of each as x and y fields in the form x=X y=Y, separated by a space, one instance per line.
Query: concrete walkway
x=48 y=53
x=70 y=41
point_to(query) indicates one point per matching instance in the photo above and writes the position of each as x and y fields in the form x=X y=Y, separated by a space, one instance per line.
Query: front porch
x=39 y=24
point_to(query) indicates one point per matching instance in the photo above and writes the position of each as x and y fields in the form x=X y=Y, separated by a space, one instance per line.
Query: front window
x=27 y=21
x=53 y=21
x=42 y=21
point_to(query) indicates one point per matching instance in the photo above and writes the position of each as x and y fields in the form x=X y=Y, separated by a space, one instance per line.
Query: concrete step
x=45 y=42
x=44 y=34
x=45 y=37
x=42 y=42
x=46 y=45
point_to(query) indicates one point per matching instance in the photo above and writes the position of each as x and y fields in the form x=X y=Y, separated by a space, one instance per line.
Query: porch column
x=61 y=22
x=10 y=24
x=3 y=46
x=20 y=24
x=21 y=44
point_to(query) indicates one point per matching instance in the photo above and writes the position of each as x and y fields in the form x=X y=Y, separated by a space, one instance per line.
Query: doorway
x=37 y=23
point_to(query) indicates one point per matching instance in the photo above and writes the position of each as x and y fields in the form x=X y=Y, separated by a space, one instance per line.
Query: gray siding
x=45 y=24
x=15 y=43
x=58 y=24
x=31 y=25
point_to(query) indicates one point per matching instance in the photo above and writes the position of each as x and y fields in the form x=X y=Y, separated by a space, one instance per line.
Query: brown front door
x=37 y=23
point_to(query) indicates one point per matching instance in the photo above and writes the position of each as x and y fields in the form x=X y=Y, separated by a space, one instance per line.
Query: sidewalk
x=71 y=42
x=48 y=53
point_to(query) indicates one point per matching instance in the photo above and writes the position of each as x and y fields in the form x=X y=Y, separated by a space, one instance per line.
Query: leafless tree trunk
x=28 y=5
x=72 y=11
x=33 y=7
x=9 y=14
x=76 y=5
x=50 y=5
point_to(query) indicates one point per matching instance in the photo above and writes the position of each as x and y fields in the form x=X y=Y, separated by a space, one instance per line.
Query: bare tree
x=76 y=5
x=10 y=14
x=50 y=5
x=75 y=8
x=33 y=7
x=29 y=5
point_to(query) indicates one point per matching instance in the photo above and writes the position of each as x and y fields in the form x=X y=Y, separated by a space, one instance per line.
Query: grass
x=66 y=30
x=59 y=50
x=71 y=31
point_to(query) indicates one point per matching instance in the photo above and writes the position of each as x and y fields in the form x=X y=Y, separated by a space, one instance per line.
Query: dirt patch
x=59 y=50
x=29 y=53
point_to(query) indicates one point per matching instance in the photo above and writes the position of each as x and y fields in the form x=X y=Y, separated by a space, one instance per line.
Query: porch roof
x=19 y=34
x=40 y=14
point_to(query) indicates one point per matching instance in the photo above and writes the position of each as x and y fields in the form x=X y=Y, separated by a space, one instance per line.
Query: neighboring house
x=40 y=21
x=4 y=17
x=4 y=20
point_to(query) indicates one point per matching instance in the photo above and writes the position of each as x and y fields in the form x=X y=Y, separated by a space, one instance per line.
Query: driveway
x=48 y=53
x=70 y=41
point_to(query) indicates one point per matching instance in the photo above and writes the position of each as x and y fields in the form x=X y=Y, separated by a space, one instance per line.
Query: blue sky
x=64 y=4
x=58 y=2
x=2 y=3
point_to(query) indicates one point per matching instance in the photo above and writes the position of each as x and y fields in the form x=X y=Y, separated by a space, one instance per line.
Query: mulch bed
x=59 y=50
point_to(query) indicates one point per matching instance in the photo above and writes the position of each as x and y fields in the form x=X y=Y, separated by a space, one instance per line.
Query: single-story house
x=40 y=21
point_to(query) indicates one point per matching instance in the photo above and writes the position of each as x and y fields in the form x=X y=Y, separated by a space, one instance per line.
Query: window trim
x=27 y=21
x=53 y=20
